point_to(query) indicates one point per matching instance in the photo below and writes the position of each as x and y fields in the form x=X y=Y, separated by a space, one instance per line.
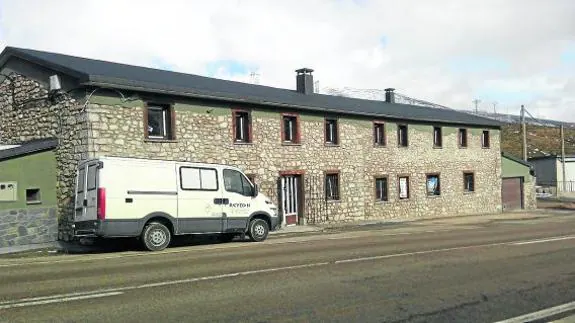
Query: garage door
x=511 y=193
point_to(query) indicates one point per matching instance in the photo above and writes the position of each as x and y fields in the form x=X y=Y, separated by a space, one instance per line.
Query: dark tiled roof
x=29 y=147
x=102 y=73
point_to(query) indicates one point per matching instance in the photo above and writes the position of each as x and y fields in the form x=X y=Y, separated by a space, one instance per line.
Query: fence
x=555 y=188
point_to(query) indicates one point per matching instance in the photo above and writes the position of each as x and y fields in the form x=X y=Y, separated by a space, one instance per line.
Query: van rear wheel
x=258 y=230
x=156 y=236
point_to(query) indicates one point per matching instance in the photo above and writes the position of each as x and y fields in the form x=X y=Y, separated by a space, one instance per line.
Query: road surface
x=439 y=271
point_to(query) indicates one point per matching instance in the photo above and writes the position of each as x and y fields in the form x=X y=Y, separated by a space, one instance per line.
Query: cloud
x=445 y=51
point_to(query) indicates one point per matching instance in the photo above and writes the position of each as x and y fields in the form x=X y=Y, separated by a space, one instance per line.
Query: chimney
x=389 y=95
x=304 y=80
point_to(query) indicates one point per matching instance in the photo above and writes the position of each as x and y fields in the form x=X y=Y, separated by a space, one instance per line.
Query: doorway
x=291 y=198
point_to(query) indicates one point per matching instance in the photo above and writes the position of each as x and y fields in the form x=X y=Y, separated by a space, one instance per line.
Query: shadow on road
x=112 y=245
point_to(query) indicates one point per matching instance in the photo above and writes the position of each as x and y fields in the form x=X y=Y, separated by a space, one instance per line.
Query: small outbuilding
x=517 y=184
x=28 y=194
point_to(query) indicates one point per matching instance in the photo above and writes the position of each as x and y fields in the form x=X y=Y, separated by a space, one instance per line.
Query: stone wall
x=204 y=134
x=28 y=226
x=26 y=114
x=529 y=195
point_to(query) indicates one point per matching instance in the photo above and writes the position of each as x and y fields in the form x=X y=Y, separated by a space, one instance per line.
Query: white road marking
x=51 y=300
x=541 y=314
x=116 y=291
x=544 y=240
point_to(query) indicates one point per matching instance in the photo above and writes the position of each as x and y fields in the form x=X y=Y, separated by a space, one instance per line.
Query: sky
x=449 y=52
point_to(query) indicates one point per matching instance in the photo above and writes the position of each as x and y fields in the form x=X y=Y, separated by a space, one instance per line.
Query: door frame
x=300 y=174
x=521 y=190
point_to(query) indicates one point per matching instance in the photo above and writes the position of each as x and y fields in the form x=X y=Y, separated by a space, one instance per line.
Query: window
x=403 y=187
x=242 y=126
x=332 y=186
x=92 y=171
x=201 y=179
x=33 y=196
x=468 y=182
x=462 y=137
x=331 y=135
x=159 y=122
x=235 y=182
x=290 y=129
x=381 y=189
x=437 y=137
x=402 y=135
x=433 y=185
x=485 y=139
x=378 y=134
x=81 y=179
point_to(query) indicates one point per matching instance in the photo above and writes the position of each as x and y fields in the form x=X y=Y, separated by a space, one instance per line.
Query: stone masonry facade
x=204 y=134
x=27 y=114
x=28 y=226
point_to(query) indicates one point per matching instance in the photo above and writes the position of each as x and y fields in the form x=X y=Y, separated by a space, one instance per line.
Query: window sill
x=381 y=202
x=485 y=147
x=160 y=140
x=468 y=192
x=327 y=144
x=334 y=201
x=402 y=147
x=462 y=147
x=437 y=147
x=403 y=200
x=379 y=146
x=286 y=143
x=241 y=143
x=433 y=196
x=33 y=202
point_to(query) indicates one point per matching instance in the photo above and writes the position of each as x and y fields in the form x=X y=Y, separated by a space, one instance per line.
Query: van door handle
x=219 y=201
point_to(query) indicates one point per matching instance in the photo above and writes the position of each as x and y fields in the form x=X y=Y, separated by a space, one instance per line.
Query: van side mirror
x=256 y=190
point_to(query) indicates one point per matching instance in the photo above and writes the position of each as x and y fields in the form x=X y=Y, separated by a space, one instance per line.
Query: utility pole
x=476 y=101
x=563 y=157
x=495 y=108
x=524 y=132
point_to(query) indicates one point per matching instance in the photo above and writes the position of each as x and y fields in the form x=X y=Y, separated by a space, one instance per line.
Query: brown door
x=512 y=193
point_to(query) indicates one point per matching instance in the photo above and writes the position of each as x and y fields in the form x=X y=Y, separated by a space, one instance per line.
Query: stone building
x=323 y=158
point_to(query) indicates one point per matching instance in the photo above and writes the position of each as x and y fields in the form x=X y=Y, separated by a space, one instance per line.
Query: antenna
x=495 y=107
x=254 y=78
x=476 y=101
x=316 y=86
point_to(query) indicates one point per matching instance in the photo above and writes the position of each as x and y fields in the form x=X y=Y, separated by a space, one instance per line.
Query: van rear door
x=86 y=204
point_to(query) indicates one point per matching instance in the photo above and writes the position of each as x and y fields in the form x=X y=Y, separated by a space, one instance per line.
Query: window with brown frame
x=331 y=131
x=332 y=186
x=381 y=188
x=242 y=126
x=437 y=137
x=403 y=187
x=290 y=128
x=159 y=122
x=468 y=182
x=402 y=138
x=378 y=133
x=485 y=139
x=462 y=137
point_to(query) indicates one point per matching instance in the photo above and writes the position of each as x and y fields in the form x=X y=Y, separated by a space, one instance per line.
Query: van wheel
x=156 y=236
x=258 y=230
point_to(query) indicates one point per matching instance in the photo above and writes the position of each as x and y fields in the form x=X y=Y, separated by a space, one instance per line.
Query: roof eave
x=103 y=82
x=10 y=52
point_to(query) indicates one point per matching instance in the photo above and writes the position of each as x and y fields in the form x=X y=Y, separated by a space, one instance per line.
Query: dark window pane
x=157 y=120
x=332 y=187
x=381 y=189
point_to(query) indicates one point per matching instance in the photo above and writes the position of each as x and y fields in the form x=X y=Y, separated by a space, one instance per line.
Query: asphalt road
x=435 y=272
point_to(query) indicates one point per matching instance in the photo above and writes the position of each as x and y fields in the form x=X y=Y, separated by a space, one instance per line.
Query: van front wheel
x=156 y=236
x=258 y=230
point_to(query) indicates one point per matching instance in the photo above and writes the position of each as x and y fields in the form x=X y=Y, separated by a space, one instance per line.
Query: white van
x=156 y=199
